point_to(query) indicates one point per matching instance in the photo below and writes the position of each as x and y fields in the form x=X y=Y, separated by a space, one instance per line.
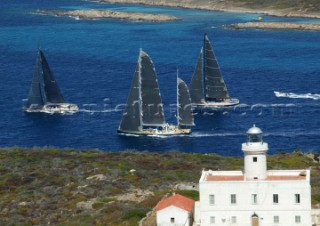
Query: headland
x=98 y=14
x=281 y=8
x=277 y=25
x=42 y=186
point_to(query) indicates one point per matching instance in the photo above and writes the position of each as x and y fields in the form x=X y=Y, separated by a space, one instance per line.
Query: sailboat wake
x=198 y=134
x=297 y=96
x=97 y=111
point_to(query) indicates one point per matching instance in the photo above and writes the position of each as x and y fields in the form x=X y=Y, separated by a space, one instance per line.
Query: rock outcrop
x=276 y=25
x=98 y=14
x=282 y=9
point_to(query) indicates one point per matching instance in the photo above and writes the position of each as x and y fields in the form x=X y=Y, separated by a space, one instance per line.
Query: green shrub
x=135 y=213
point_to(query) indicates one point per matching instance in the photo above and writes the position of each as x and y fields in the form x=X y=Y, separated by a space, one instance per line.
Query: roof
x=176 y=200
x=254 y=130
x=242 y=178
x=225 y=178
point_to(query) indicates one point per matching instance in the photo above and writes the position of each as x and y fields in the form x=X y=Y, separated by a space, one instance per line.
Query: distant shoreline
x=98 y=14
x=277 y=25
x=221 y=6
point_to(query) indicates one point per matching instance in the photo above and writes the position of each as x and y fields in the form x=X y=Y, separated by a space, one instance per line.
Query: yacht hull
x=212 y=104
x=169 y=131
x=60 y=108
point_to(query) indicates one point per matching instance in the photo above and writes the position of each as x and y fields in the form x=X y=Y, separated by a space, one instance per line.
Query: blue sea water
x=94 y=60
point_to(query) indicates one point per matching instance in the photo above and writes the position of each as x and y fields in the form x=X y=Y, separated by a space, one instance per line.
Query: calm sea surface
x=94 y=60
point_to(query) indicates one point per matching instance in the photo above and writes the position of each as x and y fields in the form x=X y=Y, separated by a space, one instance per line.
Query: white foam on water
x=314 y=96
x=97 y=111
x=200 y=134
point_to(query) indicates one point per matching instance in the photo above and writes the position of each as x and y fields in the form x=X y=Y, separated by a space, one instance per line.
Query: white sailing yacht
x=207 y=87
x=143 y=114
x=53 y=101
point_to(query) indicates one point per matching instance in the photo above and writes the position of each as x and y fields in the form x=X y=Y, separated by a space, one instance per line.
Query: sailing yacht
x=52 y=101
x=144 y=114
x=207 y=87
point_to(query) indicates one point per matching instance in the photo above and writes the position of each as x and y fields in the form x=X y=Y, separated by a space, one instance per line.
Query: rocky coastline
x=244 y=6
x=99 y=14
x=48 y=186
x=276 y=25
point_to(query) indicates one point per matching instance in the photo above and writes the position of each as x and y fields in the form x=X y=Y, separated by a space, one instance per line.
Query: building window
x=275 y=199
x=233 y=199
x=255 y=159
x=172 y=220
x=212 y=220
x=254 y=199
x=298 y=219
x=233 y=219
x=211 y=200
x=276 y=219
x=297 y=198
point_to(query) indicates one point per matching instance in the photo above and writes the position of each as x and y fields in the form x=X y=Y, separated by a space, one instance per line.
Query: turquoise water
x=94 y=60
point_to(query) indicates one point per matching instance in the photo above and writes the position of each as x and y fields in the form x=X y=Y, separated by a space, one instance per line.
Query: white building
x=255 y=196
x=176 y=210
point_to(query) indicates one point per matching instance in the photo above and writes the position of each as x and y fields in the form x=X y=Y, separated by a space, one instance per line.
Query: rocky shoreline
x=276 y=25
x=228 y=6
x=235 y=6
x=98 y=14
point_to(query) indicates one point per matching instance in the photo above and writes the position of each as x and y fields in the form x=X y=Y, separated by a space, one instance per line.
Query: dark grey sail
x=35 y=100
x=196 y=85
x=185 y=117
x=151 y=103
x=215 y=88
x=51 y=89
x=131 y=118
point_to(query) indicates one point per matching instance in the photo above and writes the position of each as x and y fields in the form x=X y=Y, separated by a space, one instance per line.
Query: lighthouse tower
x=255 y=155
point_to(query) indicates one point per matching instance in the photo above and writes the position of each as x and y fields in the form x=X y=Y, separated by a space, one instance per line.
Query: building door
x=255 y=220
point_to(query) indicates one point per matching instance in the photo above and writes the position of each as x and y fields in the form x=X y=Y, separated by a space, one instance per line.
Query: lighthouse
x=255 y=155
x=254 y=196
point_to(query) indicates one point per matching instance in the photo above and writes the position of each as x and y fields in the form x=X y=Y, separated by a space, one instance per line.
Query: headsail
x=51 y=89
x=185 y=117
x=35 y=100
x=151 y=103
x=131 y=118
x=215 y=88
x=196 y=85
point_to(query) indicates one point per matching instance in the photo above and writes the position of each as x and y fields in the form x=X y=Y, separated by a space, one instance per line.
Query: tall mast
x=140 y=97
x=177 y=97
x=203 y=67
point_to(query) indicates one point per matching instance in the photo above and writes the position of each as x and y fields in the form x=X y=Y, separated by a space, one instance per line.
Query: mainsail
x=185 y=117
x=51 y=89
x=131 y=118
x=151 y=103
x=143 y=114
x=196 y=85
x=215 y=88
x=35 y=100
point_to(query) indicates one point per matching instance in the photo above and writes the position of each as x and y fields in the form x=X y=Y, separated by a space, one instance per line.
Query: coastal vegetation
x=41 y=186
